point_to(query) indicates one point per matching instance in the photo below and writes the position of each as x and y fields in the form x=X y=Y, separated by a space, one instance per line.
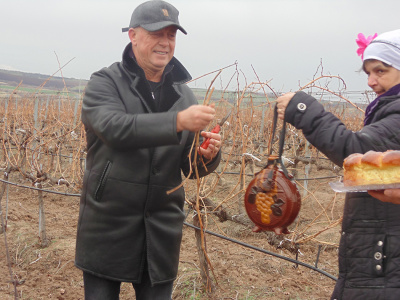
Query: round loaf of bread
x=372 y=168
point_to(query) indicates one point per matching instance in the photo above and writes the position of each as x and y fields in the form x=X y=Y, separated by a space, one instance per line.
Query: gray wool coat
x=134 y=156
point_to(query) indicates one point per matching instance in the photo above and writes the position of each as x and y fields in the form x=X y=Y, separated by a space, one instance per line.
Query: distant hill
x=13 y=78
x=9 y=80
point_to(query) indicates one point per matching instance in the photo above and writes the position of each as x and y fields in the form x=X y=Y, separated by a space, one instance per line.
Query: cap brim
x=158 y=26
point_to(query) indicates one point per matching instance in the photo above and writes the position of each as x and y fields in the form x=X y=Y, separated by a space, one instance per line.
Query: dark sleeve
x=204 y=166
x=330 y=136
x=104 y=113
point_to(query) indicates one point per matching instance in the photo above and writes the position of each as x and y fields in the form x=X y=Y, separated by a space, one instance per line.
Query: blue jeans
x=97 y=288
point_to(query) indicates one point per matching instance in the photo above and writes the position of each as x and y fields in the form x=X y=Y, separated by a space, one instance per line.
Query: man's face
x=380 y=77
x=153 y=50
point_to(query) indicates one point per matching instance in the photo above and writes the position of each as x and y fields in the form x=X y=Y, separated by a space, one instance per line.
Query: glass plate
x=338 y=186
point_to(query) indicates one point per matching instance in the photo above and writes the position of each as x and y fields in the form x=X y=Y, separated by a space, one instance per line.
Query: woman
x=369 y=251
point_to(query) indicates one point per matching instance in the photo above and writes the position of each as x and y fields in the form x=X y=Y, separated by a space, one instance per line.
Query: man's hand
x=389 y=195
x=213 y=147
x=195 y=117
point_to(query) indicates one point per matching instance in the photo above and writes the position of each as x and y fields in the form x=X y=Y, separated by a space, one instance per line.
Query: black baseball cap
x=154 y=15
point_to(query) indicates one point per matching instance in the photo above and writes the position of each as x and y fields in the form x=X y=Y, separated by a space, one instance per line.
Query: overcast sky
x=283 y=40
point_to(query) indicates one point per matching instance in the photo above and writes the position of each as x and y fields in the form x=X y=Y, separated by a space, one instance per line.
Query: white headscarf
x=385 y=47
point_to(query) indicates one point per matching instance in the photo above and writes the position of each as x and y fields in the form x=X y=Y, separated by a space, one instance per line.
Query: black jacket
x=134 y=157
x=369 y=250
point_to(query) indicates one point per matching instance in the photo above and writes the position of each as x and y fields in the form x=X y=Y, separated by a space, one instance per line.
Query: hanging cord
x=282 y=134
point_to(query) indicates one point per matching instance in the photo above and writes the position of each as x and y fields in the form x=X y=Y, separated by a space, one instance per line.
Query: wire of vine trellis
x=234 y=154
x=313 y=178
x=295 y=261
x=78 y=195
x=37 y=189
x=52 y=154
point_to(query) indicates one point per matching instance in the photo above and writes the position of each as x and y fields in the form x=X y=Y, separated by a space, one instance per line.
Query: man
x=389 y=195
x=140 y=121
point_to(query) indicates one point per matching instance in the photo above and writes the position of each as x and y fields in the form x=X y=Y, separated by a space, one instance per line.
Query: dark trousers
x=97 y=288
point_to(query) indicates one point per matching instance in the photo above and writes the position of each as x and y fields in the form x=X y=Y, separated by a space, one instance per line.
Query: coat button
x=380 y=243
x=301 y=106
x=155 y=171
x=147 y=214
x=378 y=267
x=378 y=255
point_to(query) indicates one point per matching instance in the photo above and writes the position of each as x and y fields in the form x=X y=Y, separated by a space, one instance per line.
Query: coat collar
x=391 y=94
x=175 y=69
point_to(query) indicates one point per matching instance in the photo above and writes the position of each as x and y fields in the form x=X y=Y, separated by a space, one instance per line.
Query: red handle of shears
x=205 y=143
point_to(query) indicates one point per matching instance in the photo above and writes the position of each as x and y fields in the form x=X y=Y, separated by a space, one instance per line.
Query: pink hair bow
x=363 y=42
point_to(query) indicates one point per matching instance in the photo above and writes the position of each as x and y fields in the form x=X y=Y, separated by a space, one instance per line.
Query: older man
x=140 y=121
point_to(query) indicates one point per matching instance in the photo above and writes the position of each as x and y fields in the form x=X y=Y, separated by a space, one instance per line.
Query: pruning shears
x=216 y=129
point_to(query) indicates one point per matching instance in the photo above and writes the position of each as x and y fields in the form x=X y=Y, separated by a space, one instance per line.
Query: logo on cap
x=165 y=12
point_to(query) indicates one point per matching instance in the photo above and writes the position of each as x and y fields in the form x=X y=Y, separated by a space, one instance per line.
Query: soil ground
x=240 y=272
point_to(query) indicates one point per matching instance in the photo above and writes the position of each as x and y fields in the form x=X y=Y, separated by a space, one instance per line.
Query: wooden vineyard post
x=3 y=224
x=307 y=154
x=3 y=228
x=42 y=219
x=261 y=133
x=76 y=116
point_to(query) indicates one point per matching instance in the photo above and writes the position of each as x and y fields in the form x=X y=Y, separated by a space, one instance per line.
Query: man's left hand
x=213 y=147
x=389 y=195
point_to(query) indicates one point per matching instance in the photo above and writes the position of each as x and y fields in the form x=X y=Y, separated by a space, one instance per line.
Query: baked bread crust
x=372 y=168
